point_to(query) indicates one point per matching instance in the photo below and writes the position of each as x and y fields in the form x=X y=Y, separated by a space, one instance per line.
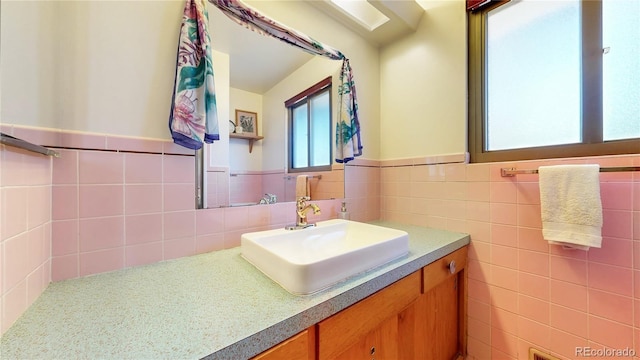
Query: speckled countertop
x=213 y=306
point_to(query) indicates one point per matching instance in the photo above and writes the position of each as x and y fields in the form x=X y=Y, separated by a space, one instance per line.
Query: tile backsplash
x=113 y=202
x=523 y=292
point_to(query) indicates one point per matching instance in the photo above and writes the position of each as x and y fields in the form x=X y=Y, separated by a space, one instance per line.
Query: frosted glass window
x=621 y=69
x=533 y=74
x=320 y=130
x=300 y=138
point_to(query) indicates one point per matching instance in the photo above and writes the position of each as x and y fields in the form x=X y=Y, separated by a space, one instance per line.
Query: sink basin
x=309 y=260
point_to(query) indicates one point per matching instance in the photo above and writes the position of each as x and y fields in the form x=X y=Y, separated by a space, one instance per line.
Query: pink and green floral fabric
x=193 y=119
x=348 y=144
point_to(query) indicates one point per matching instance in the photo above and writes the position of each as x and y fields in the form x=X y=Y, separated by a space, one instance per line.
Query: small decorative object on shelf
x=247 y=121
x=246 y=127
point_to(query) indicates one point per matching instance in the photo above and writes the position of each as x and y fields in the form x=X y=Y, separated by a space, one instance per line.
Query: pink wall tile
x=178 y=169
x=65 y=267
x=505 y=214
x=504 y=320
x=15 y=211
x=568 y=320
x=533 y=262
x=564 y=344
x=100 y=200
x=179 y=225
x=533 y=331
x=14 y=304
x=504 y=235
x=617 y=223
x=64 y=202
x=478 y=172
x=16 y=265
x=39 y=206
x=568 y=294
x=616 y=196
x=504 y=298
x=236 y=218
x=98 y=167
x=142 y=168
x=479 y=250
x=504 y=256
x=503 y=342
x=122 y=143
x=614 y=279
x=210 y=221
x=532 y=239
x=528 y=193
x=479 y=330
x=478 y=191
x=141 y=229
x=177 y=248
x=65 y=168
x=64 y=237
x=533 y=308
x=40 y=136
x=534 y=285
x=101 y=261
x=72 y=139
x=529 y=216
x=38 y=247
x=142 y=254
x=611 y=306
x=101 y=233
x=479 y=310
x=504 y=277
x=179 y=197
x=143 y=199
x=610 y=333
x=566 y=269
x=208 y=243
x=503 y=192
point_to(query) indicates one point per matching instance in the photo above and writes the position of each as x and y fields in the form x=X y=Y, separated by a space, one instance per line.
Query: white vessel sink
x=309 y=260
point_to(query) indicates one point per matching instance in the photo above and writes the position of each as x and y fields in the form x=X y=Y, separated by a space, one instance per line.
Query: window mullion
x=592 y=107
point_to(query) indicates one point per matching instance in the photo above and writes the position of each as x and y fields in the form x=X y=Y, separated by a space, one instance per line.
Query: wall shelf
x=251 y=139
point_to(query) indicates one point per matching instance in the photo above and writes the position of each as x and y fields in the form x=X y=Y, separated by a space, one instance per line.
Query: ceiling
x=258 y=62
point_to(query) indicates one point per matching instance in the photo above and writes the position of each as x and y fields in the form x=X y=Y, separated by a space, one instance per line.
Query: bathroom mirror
x=263 y=73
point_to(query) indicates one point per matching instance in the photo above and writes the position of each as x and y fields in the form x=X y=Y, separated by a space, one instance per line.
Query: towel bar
x=25 y=145
x=508 y=172
x=289 y=177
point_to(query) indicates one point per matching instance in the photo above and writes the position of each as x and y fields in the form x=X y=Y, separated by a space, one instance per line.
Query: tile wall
x=107 y=203
x=522 y=291
x=25 y=231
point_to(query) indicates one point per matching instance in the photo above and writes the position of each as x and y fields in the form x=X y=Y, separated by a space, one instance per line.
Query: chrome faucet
x=301 y=213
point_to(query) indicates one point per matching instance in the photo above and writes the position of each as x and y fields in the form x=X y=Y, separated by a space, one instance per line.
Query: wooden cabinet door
x=363 y=322
x=379 y=344
x=298 y=347
x=442 y=321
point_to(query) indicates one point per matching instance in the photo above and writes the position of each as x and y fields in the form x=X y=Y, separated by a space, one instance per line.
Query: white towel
x=302 y=186
x=571 y=206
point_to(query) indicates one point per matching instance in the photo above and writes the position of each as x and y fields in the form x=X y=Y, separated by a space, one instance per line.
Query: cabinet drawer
x=440 y=270
x=298 y=347
x=346 y=328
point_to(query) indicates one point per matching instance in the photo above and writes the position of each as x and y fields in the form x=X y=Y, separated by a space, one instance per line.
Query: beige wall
x=239 y=157
x=78 y=70
x=423 y=86
x=28 y=54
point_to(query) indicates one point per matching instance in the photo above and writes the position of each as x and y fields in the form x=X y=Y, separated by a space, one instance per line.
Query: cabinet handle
x=452 y=267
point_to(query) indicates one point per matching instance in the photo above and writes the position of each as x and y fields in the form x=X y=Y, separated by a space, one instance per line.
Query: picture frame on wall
x=248 y=120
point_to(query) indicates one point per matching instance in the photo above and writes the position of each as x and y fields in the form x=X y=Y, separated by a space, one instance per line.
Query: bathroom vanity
x=421 y=316
x=219 y=306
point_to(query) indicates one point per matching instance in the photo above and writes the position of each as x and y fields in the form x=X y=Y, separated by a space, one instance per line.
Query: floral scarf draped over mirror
x=348 y=144
x=194 y=119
